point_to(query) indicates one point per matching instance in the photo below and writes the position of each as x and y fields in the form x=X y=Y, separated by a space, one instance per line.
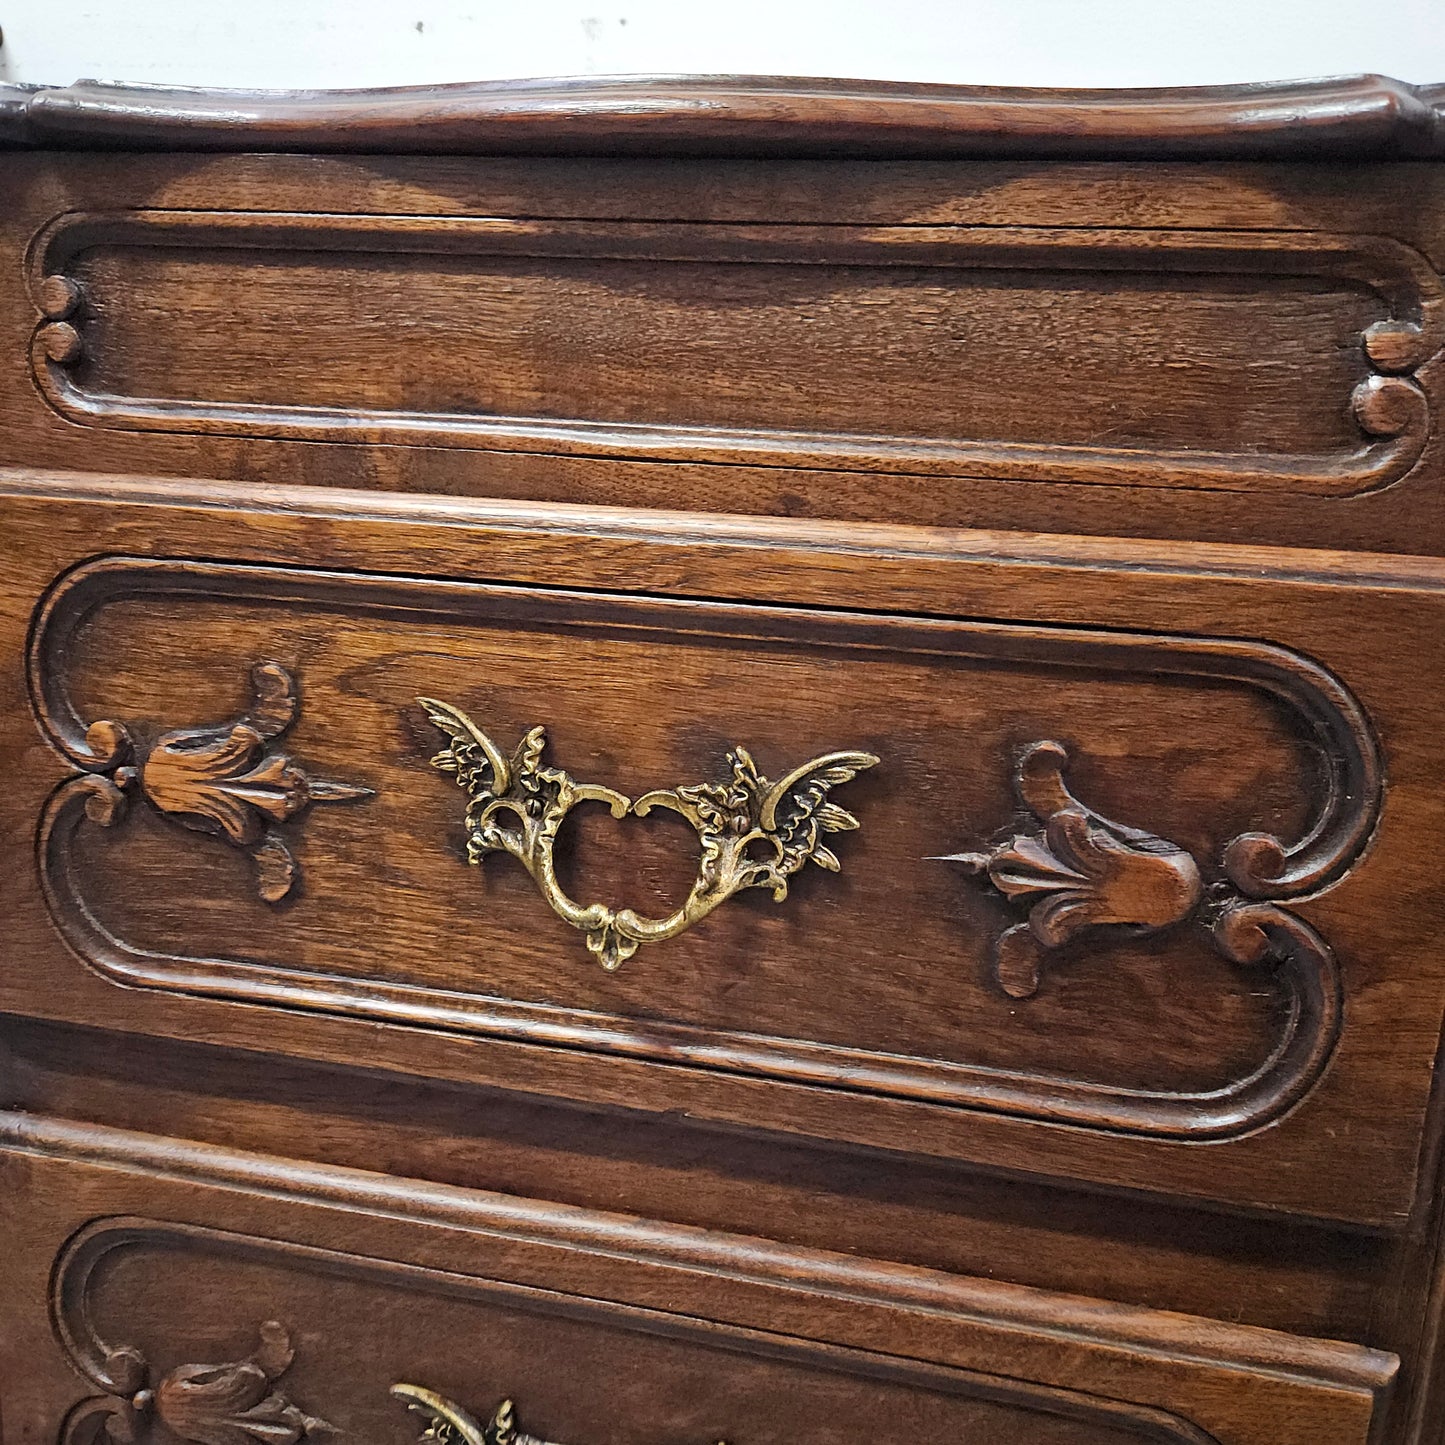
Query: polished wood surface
x=937 y=620
x=610 y=1326
x=826 y=346
x=1215 y=352
x=870 y=1003
x=691 y=115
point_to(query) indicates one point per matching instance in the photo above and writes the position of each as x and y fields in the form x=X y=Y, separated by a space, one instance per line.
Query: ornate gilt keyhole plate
x=754 y=833
x=449 y=1424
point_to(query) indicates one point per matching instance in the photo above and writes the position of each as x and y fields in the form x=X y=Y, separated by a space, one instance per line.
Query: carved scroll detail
x=230 y=1404
x=1321 y=711
x=79 y=1294
x=784 y=821
x=1084 y=871
x=220 y=780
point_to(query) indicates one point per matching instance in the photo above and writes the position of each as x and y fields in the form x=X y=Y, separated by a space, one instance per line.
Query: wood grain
x=836 y=347
x=1274 y=1271
x=1120 y=386
x=474 y=1264
x=871 y=1034
x=1379 y=1038
x=1349 y=116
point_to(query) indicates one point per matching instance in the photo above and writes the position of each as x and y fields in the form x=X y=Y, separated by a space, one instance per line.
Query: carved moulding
x=1345 y=784
x=1002 y=1311
x=1084 y=872
x=754 y=833
x=1388 y=405
x=221 y=780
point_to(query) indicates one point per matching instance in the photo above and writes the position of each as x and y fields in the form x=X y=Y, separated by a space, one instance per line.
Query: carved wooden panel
x=1270 y=360
x=878 y=984
x=578 y=654
x=747 y=533
x=1172 y=351
x=579 y=1372
x=187 y=1307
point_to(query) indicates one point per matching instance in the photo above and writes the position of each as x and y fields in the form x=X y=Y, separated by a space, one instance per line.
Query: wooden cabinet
x=738 y=761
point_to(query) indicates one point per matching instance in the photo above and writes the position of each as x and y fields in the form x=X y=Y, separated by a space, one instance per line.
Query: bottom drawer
x=156 y=1291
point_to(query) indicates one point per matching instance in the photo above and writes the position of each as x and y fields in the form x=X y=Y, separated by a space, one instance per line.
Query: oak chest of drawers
x=722 y=760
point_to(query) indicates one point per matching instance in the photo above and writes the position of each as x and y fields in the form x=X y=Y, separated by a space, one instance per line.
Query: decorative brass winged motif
x=449 y=1424
x=754 y=833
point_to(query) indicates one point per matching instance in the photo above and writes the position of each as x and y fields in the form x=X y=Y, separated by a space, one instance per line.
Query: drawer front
x=1131 y=905
x=1160 y=351
x=148 y=1298
x=833 y=346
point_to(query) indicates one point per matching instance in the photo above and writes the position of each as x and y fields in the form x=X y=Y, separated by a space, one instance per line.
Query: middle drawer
x=1020 y=894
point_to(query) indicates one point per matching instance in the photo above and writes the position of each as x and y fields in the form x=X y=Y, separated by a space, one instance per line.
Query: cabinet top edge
x=1350 y=117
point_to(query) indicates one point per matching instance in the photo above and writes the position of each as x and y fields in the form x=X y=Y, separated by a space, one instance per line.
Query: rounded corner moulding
x=1264 y=870
x=1170 y=1374
x=1387 y=407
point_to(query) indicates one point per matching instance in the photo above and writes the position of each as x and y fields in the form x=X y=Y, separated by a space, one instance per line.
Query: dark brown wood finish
x=594 y=1320
x=730 y=759
x=689 y=115
x=1228 y=352
x=921 y=1034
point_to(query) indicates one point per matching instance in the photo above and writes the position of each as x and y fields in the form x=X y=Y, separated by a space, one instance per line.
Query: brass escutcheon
x=755 y=833
x=449 y=1424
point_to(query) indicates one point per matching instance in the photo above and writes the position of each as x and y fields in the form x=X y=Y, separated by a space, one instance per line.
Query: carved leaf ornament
x=1080 y=870
x=221 y=780
x=229 y=1404
x=239 y=1404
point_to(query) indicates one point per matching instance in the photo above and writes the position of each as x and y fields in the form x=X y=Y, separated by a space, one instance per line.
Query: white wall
x=1000 y=42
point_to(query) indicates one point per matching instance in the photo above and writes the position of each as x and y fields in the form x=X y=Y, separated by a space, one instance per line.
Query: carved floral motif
x=1085 y=871
x=220 y=780
x=229 y=1404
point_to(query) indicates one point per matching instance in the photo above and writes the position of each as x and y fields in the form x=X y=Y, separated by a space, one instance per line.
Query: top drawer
x=1120 y=853
x=1152 y=347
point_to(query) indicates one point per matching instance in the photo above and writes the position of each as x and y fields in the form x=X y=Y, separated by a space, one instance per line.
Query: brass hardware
x=787 y=820
x=449 y=1424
